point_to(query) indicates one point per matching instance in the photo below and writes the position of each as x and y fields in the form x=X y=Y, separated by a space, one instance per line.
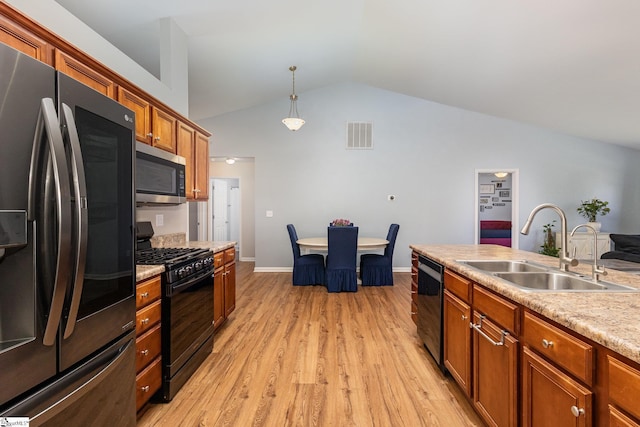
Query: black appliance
x=430 y=307
x=67 y=267
x=160 y=176
x=187 y=307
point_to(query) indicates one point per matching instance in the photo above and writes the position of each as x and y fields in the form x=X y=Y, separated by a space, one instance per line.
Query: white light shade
x=501 y=174
x=230 y=160
x=293 y=123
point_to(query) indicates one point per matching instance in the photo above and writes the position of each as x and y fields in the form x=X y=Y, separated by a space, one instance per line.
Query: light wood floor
x=298 y=356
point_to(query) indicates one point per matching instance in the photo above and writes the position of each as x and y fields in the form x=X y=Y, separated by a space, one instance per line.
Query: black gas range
x=180 y=263
x=187 y=307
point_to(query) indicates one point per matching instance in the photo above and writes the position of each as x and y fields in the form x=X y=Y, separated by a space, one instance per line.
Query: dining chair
x=307 y=269
x=341 y=259
x=376 y=269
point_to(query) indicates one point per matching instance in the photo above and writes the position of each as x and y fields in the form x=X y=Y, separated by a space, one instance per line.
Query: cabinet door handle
x=149 y=134
x=145 y=321
x=547 y=344
x=144 y=352
x=478 y=327
x=464 y=317
x=145 y=388
x=577 y=411
x=144 y=295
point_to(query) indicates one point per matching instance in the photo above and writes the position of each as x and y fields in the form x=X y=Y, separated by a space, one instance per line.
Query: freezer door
x=25 y=361
x=99 y=392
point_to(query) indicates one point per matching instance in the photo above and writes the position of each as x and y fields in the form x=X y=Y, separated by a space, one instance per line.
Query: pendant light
x=293 y=120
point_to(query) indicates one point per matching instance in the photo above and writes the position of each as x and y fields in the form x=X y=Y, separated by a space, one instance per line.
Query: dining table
x=321 y=244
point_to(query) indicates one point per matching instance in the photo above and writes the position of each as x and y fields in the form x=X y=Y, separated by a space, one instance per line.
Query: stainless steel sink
x=559 y=282
x=504 y=265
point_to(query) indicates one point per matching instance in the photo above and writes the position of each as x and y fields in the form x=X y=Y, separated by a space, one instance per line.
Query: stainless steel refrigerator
x=67 y=268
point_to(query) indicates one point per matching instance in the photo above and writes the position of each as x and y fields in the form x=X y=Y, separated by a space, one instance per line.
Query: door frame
x=515 y=194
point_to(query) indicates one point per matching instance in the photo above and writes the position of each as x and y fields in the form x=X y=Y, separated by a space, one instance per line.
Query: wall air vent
x=359 y=136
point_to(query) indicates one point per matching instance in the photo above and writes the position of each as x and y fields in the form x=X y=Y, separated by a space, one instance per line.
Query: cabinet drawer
x=147 y=291
x=147 y=317
x=565 y=350
x=457 y=285
x=218 y=259
x=618 y=419
x=148 y=382
x=229 y=255
x=624 y=386
x=500 y=310
x=147 y=347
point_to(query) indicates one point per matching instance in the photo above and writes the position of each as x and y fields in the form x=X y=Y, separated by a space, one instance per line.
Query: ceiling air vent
x=359 y=136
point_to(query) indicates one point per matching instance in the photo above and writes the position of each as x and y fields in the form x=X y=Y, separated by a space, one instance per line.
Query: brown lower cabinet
x=148 y=339
x=495 y=371
x=550 y=397
x=224 y=285
x=519 y=368
x=457 y=340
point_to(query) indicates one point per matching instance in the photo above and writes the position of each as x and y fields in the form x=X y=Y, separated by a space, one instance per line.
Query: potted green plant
x=591 y=209
x=549 y=245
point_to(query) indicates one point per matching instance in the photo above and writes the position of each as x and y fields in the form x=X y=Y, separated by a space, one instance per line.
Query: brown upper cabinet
x=164 y=130
x=156 y=123
x=154 y=126
x=194 y=147
x=72 y=67
x=25 y=41
x=142 y=109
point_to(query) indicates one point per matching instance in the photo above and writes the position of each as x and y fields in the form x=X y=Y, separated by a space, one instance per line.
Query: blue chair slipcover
x=307 y=269
x=341 y=259
x=376 y=270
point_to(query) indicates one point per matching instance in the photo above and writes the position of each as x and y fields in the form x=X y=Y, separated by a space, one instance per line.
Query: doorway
x=225 y=210
x=496 y=207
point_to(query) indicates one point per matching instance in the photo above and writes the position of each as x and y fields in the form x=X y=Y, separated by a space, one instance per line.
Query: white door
x=220 y=203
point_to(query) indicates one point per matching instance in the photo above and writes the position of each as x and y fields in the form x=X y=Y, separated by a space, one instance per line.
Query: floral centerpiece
x=340 y=222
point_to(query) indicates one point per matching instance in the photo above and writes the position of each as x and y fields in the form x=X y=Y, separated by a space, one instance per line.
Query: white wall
x=425 y=154
x=175 y=219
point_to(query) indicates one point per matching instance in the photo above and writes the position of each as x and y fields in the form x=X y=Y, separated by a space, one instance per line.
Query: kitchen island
x=539 y=358
x=611 y=319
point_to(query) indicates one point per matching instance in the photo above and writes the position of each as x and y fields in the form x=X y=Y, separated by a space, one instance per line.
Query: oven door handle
x=181 y=287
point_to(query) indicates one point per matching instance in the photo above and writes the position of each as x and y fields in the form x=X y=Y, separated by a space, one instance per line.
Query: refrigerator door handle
x=48 y=121
x=81 y=216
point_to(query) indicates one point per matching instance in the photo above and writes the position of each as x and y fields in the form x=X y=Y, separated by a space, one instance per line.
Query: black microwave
x=160 y=176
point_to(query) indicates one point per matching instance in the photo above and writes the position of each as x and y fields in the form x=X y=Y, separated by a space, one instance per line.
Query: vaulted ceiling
x=570 y=65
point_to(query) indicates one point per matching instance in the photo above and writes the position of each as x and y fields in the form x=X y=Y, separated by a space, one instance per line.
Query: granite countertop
x=608 y=318
x=213 y=245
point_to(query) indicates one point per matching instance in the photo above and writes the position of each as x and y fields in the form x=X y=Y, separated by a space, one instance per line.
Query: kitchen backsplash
x=169 y=240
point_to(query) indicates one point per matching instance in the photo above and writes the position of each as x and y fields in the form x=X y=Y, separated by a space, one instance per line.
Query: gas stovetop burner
x=155 y=256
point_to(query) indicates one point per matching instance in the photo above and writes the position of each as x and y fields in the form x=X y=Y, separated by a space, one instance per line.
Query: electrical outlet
x=159 y=220
x=269 y=214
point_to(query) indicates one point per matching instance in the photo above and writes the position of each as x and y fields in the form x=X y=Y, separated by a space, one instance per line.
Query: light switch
x=269 y=214
x=159 y=220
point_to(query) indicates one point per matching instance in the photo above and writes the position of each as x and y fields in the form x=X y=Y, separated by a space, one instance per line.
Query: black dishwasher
x=430 y=305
